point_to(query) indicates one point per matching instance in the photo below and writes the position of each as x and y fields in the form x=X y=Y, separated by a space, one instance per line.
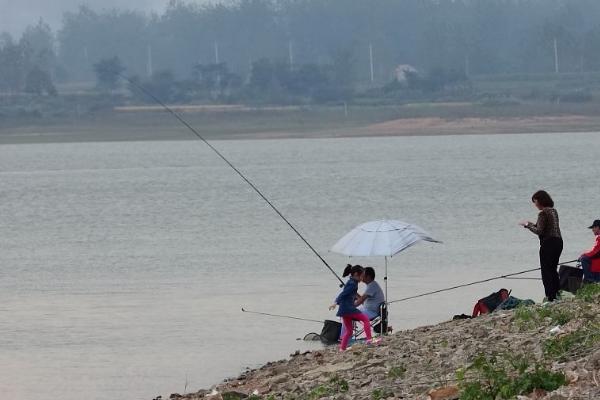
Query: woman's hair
x=370 y=272
x=347 y=270
x=351 y=270
x=543 y=198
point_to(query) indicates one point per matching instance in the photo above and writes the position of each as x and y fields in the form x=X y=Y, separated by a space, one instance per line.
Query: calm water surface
x=124 y=265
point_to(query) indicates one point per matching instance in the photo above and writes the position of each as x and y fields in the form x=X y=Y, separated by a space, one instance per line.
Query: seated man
x=370 y=301
x=590 y=260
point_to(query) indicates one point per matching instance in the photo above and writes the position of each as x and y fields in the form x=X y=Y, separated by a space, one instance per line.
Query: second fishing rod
x=511 y=275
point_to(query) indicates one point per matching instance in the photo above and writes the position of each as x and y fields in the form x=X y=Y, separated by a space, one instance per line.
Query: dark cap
x=596 y=223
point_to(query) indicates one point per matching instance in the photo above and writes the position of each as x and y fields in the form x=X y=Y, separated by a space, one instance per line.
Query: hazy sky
x=16 y=14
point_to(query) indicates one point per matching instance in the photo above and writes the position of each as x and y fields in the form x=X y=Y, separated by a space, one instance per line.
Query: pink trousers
x=347 y=321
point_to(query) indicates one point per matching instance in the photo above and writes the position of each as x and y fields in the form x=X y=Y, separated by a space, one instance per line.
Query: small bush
x=232 y=396
x=525 y=318
x=397 y=372
x=379 y=394
x=576 y=342
x=335 y=385
x=531 y=317
x=556 y=315
x=320 y=391
x=505 y=377
x=589 y=292
x=339 y=384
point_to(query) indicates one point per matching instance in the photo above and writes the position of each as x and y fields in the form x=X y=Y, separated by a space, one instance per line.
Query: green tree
x=39 y=40
x=261 y=75
x=308 y=79
x=39 y=82
x=479 y=36
x=88 y=36
x=437 y=79
x=163 y=85
x=15 y=60
x=215 y=80
x=591 y=49
x=108 y=73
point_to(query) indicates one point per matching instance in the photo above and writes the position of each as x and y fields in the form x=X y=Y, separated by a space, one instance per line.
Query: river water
x=123 y=266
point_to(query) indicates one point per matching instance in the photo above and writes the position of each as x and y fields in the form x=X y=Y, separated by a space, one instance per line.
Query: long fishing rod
x=516 y=278
x=280 y=316
x=470 y=284
x=217 y=152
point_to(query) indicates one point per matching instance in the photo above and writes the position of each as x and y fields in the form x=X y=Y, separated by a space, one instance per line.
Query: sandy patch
x=204 y=108
x=441 y=126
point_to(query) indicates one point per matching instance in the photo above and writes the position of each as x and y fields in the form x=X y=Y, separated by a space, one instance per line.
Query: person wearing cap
x=590 y=260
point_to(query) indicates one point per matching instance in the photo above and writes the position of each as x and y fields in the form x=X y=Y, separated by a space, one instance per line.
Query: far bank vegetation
x=499 y=54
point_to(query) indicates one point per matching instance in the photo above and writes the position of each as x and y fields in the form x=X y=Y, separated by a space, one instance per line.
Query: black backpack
x=570 y=278
x=331 y=332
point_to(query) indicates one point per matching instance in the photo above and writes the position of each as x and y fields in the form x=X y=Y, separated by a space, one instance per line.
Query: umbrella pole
x=385 y=279
x=386 y=300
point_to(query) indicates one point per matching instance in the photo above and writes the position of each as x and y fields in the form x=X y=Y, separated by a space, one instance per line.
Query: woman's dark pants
x=550 y=250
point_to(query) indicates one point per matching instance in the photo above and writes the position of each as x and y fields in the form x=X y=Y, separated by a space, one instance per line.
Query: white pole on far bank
x=556 y=70
x=291 y=54
x=216 y=52
x=371 y=61
x=149 y=71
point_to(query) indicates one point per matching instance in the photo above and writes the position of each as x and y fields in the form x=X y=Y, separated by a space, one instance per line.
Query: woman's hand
x=332 y=307
x=524 y=223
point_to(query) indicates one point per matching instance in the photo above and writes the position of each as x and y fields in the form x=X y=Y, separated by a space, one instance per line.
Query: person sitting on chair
x=370 y=301
x=590 y=260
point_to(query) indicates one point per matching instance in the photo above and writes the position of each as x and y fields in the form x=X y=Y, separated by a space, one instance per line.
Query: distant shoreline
x=425 y=126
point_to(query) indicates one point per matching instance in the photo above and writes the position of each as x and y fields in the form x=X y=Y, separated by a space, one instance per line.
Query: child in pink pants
x=347 y=310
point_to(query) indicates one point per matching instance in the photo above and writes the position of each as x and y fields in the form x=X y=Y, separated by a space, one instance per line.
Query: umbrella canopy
x=384 y=238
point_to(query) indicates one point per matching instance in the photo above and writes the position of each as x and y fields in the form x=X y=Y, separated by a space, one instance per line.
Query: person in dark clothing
x=551 y=243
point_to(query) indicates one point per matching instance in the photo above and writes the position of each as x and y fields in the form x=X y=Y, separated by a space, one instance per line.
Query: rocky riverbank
x=536 y=352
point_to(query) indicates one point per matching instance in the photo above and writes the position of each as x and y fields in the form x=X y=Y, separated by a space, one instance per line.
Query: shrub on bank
x=589 y=292
x=505 y=377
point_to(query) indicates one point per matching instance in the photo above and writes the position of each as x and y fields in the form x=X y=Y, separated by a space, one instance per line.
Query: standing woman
x=347 y=310
x=551 y=243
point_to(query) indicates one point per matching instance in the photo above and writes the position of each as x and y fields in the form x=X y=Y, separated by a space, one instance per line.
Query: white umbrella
x=383 y=238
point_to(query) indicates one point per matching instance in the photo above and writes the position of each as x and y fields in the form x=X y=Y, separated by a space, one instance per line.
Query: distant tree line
x=481 y=36
x=310 y=48
x=27 y=65
x=268 y=81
